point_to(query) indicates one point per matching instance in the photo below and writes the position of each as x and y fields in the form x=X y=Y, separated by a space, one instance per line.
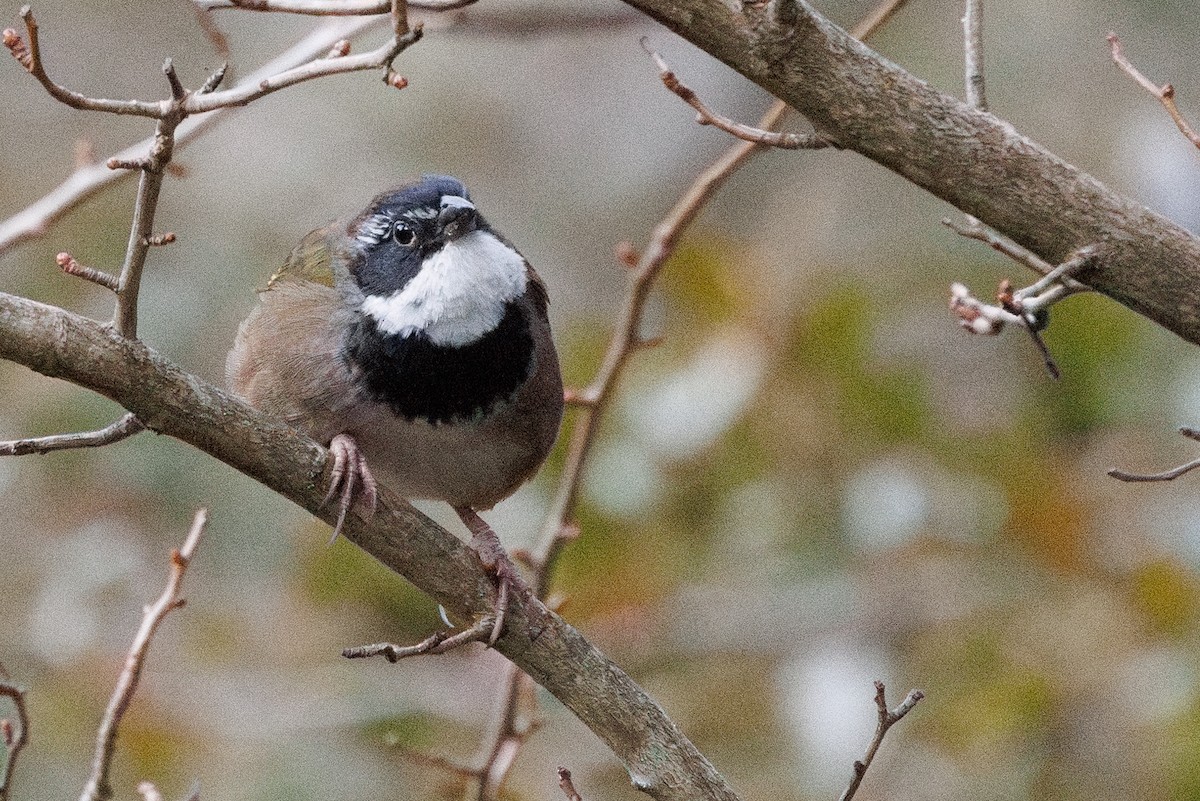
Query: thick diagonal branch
x=971 y=159
x=56 y=343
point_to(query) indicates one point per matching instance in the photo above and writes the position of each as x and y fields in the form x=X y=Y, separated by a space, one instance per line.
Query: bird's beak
x=456 y=218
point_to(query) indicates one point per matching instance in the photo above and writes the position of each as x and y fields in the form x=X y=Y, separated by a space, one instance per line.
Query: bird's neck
x=423 y=380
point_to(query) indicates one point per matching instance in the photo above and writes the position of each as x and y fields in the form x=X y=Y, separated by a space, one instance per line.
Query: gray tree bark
x=971 y=159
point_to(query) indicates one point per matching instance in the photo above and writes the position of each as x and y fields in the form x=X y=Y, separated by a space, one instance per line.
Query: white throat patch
x=458 y=295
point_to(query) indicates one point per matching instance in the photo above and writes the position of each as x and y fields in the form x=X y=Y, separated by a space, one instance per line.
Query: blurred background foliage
x=815 y=481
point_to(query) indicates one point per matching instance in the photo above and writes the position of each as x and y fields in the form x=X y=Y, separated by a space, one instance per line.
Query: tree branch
x=1164 y=93
x=98 y=787
x=660 y=759
x=14 y=739
x=90 y=179
x=887 y=719
x=123 y=428
x=970 y=159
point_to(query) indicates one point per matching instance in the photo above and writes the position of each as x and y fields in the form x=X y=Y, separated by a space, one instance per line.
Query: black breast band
x=440 y=383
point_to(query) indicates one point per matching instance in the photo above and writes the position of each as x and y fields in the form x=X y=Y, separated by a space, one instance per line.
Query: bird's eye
x=403 y=235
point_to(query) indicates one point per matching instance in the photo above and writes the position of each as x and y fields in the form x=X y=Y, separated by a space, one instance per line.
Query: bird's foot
x=349 y=471
x=496 y=562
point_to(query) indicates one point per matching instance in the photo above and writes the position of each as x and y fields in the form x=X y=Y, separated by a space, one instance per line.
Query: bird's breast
x=420 y=380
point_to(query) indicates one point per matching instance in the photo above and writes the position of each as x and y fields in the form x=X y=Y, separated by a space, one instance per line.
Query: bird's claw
x=349 y=471
x=496 y=562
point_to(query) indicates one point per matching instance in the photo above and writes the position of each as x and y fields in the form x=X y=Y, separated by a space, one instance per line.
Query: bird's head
x=426 y=262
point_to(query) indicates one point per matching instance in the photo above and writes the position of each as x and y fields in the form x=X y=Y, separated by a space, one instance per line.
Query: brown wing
x=286 y=359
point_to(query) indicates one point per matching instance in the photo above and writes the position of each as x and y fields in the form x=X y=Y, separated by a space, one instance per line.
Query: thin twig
x=973 y=55
x=1166 y=475
x=246 y=91
x=1164 y=93
x=499 y=748
x=141 y=227
x=567 y=786
x=594 y=399
x=87 y=181
x=70 y=266
x=31 y=60
x=328 y=8
x=14 y=739
x=706 y=116
x=437 y=643
x=973 y=229
x=98 y=786
x=887 y=719
x=124 y=428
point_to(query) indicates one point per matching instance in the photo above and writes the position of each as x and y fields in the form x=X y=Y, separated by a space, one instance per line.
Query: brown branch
x=31 y=60
x=87 y=181
x=121 y=429
x=973 y=229
x=59 y=344
x=1166 y=475
x=593 y=400
x=747 y=133
x=870 y=105
x=437 y=643
x=70 y=266
x=141 y=228
x=973 y=55
x=14 y=738
x=98 y=786
x=246 y=92
x=1164 y=93
x=328 y=8
x=887 y=719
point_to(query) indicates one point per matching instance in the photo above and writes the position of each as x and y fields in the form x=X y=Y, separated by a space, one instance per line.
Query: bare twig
x=70 y=266
x=567 y=786
x=328 y=8
x=145 y=204
x=973 y=54
x=88 y=180
x=123 y=428
x=1166 y=475
x=437 y=643
x=510 y=729
x=973 y=229
x=592 y=401
x=706 y=116
x=1164 y=93
x=14 y=738
x=31 y=60
x=98 y=786
x=246 y=91
x=887 y=719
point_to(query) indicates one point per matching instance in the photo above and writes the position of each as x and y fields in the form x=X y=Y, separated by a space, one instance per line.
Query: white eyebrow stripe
x=423 y=213
x=374 y=228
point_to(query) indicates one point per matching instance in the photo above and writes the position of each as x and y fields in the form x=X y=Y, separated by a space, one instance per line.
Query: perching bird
x=414 y=341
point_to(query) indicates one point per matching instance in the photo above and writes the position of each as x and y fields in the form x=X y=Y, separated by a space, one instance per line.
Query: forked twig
x=123 y=428
x=1164 y=93
x=437 y=643
x=90 y=179
x=706 y=116
x=1166 y=475
x=98 y=786
x=887 y=719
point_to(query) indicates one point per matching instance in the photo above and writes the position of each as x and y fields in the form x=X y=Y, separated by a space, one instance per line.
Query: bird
x=413 y=340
